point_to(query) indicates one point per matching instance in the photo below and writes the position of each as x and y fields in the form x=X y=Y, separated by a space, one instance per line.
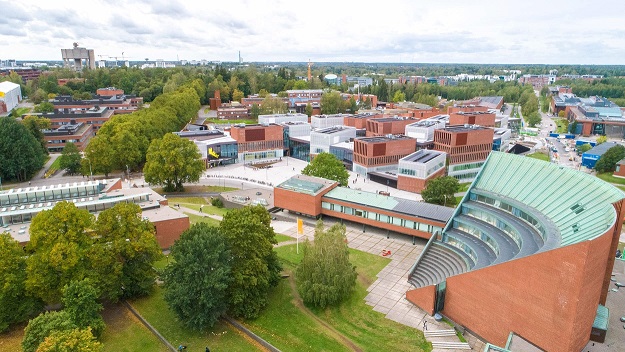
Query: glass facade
x=382 y=218
x=299 y=150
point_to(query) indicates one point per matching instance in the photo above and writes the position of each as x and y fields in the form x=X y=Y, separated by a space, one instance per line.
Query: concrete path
x=45 y=168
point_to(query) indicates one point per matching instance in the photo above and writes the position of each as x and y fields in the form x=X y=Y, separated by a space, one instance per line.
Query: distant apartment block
x=301 y=97
x=258 y=142
x=95 y=116
x=322 y=139
x=381 y=154
x=467 y=147
x=27 y=73
x=78 y=133
x=233 y=112
x=118 y=103
x=415 y=170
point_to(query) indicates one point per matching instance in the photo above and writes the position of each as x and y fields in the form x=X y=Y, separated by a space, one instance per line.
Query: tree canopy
x=326 y=165
x=42 y=326
x=197 y=279
x=607 y=162
x=70 y=159
x=325 y=276
x=21 y=153
x=172 y=161
x=17 y=304
x=255 y=264
x=332 y=103
x=70 y=341
x=441 y=191
x=80 y=303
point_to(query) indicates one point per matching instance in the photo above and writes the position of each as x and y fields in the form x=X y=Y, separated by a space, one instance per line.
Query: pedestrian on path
x=425 y=325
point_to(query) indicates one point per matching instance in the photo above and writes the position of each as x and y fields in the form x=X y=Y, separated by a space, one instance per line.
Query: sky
x=410 y=31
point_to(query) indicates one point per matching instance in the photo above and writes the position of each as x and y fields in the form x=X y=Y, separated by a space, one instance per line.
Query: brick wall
x=416 y=185
x=167 y=231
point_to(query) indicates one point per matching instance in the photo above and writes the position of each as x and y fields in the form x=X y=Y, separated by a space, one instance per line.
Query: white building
x=10 y=96
x=296 y=129
x=282 y=118
x=423 y=131
x=422 y=164
x=322 y=139
x=501 y=139
x=325 y=121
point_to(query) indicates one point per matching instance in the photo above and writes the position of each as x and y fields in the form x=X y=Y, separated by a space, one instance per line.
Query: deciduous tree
x=99 y=156
x=59 y=242
x=42 y=326
x=80 y=303
x=197 y=280
x=602 y=139
x=255 y=265
x=70 y=158
x=607 y=162
x=34 y=125
x=70 y=341
x=17 y=304
x=21 y=154
x=325 y=276
x=172 y=161
x=441 y=191
x=332 y=103
x=326 y=165
x=124 y=253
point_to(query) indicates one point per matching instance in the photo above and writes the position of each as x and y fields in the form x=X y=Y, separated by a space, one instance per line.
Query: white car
x=567 y=149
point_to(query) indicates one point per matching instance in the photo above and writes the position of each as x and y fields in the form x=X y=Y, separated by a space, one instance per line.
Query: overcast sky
x=451 y=31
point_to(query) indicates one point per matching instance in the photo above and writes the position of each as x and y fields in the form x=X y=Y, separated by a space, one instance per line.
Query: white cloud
x=480 y=31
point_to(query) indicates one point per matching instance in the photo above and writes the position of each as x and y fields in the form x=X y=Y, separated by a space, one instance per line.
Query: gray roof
x=398 y=205
x=600 y=149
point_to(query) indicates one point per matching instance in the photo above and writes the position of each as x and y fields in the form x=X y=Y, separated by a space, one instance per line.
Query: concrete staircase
x=445 y=340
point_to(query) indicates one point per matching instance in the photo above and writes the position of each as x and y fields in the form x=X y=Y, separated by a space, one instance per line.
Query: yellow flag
x=300 y=226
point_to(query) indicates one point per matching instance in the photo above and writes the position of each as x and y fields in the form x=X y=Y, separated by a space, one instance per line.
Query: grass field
x=21 y=111
x=539 y=156
x=607 y=177
x=12 y=339
x=54 y=167
x=283 y=238
x=194 y=219
x=222 y=337
x=125 y=333
x=219 y=121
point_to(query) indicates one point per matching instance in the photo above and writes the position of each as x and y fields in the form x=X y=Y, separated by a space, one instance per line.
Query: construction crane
x=102 y=61
x=124 y=60
x=309 y=66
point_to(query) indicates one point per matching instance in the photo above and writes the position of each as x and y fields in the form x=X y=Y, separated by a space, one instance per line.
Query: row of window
x=262 y=145
x=479 y=234
x=382 y=218
x=465 y=166
x=380 y=160
x=491 y=219
x=260 y=155
x=463 y=158
x=512 y=210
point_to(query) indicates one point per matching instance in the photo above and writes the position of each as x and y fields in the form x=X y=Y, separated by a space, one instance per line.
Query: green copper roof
x=579 y=204
x=602 y=318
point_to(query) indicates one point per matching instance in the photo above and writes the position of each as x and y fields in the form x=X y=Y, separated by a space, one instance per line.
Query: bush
x=216 y=202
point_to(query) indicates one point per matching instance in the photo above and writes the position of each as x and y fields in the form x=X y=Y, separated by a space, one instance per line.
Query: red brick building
x=118 y=103
x=467 y=148
x=78 y=133
x=233 y=112
x=258 y=142
x=359 y=121
x=381 y=153
x=388 y=125
x=313 y=197
x=481 y=118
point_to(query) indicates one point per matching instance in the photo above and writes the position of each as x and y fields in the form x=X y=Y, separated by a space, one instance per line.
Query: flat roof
x=162 y=213
x=422 y=156
x=399 y=205
x=306 y=184
x=334 y=129
x=600 y=149
x=464 y=128
x=379 y=139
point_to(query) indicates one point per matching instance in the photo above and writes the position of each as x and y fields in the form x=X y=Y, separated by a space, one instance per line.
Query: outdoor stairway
x=437 y=264
x=445 y=339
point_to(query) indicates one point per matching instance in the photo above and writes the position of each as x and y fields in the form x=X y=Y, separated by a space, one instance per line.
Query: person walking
x=425 y=325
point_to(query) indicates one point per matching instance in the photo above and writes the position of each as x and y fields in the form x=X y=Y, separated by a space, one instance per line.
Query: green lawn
x=539 y=156
x=22 y=111
x=232 y=122
x=283 y=238
x=607 y=177
x=54 y=167
x=195 y=203
x=12 y=340
x=125 y=333
x=563 y=125
x=356 y=320
x=221 y=337
x=464 y=187
x=193 y=219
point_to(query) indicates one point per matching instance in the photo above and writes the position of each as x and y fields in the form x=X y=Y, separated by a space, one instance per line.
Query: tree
x=273 y=105
x=38 y=96
x=332 y=103
x=607 y=162
x=59 y=243
x=196 y=281
x=42 y=326
x=171 y=161
x=17 y=304
x=34 y=125
x=441 y=191
x=255 y=264
x=399 y=96
x=99 y=156
x=21 y=165
x=124 y=253
x=309 y=110
x=601 y=139
x=44 y=107
x=325 y=275
x=80 y=303
x=326 y=165
x=584 y=148
x=533 y=119
x=70 y=341
x=70 y=158
x=237 y=95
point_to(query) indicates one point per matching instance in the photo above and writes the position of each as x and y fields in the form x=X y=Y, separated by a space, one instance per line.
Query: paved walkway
x=45 y=168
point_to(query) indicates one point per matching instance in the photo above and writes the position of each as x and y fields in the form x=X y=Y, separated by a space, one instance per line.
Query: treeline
x=23 y=149
x=123 y=141
x=611 y=88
